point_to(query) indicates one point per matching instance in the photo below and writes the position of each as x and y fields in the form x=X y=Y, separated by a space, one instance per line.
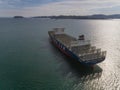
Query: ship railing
x=79 y=43
x=92 y=50
x=88 y=51
x=81 y=48
x=92 y=47
x=92 y=56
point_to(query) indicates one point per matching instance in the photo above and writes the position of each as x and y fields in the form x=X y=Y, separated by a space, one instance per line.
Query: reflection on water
x=104 y=34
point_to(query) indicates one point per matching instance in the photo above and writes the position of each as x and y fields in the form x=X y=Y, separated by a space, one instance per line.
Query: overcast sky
x=58 y=7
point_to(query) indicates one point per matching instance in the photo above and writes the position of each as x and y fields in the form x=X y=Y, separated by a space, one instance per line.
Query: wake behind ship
x=78 y=49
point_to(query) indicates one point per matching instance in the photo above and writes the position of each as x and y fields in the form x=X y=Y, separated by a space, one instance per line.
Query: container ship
x=77 y=49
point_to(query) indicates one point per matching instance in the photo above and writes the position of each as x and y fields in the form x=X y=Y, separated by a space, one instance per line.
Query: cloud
x=23 y=3
x=75 y=7
x=59 y=7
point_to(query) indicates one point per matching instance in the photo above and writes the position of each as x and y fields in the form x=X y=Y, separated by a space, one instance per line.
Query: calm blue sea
x=28 y=60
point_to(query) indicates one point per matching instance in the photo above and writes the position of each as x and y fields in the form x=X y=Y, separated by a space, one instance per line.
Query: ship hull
x=70 y=54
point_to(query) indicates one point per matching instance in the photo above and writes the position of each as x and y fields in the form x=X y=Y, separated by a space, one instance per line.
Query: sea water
x=29 y=61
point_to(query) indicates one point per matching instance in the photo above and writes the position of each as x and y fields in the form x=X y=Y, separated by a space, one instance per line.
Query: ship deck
x=65 y=39
x=85 y=51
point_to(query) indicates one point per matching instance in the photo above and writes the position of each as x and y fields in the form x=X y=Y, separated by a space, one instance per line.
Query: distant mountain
x=95 y=16
x=18 y=17
x=114 y=16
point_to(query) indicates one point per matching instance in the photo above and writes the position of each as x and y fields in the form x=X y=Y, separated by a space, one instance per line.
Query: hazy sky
x=58 y=7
